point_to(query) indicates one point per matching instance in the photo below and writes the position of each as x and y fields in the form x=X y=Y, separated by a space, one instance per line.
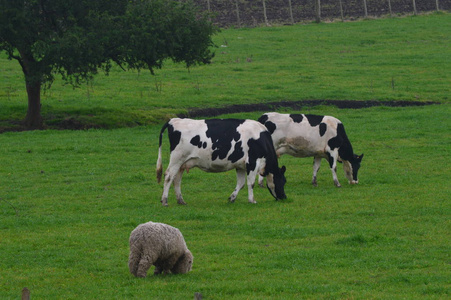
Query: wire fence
x=240 y=13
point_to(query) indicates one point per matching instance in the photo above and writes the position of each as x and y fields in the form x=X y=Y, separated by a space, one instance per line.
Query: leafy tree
x=76 y=38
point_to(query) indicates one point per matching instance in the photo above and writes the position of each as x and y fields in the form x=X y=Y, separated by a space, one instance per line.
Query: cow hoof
x=181 y=202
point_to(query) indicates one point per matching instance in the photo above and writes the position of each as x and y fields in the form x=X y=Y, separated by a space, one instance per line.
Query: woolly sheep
x=161 y=245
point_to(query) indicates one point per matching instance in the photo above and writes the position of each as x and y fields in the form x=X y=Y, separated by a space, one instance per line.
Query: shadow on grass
x=101 y=118
x=296 y=105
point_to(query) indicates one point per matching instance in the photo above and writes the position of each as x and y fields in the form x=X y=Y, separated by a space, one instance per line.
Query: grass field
x=386 y=59
x=69 y=199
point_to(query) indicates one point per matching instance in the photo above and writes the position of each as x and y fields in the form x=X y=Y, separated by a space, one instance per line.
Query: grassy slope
x=386 y=59
x=68 y=204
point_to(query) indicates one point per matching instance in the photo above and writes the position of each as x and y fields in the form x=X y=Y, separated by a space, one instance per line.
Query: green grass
x=387 y=59
x=69 y=200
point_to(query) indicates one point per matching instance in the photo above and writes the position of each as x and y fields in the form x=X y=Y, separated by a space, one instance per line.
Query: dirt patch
x=295 y=105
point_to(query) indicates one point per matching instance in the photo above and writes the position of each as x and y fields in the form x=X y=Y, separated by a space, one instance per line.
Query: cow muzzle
x=282 y=197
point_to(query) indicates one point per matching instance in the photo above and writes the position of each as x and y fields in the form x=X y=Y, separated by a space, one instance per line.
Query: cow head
x=352 y=168
x=276 y=182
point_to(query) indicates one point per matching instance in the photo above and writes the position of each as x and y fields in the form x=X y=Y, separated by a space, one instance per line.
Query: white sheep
x=161 y=245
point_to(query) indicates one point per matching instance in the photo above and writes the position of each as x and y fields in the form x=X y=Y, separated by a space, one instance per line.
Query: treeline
x=260 y=12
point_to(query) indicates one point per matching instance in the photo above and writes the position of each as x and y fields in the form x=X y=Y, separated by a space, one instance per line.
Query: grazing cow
x=302 y=135
x=219 y=146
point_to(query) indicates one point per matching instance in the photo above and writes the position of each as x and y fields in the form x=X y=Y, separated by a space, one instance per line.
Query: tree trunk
x=34 y=120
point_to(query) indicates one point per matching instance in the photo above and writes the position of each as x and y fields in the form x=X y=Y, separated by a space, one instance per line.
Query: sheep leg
x=169 y=263
x=143 y=267
x=158 y=269
x=133 y=262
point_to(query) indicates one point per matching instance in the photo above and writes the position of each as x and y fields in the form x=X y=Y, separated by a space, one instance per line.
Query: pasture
x=386 y=59
x=69 y=199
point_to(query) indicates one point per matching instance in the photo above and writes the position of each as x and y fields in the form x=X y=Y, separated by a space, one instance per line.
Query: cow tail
x=160 y=160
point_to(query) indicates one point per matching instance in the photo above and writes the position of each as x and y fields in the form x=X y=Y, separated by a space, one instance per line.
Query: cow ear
x=283 y=169
x=360 y=157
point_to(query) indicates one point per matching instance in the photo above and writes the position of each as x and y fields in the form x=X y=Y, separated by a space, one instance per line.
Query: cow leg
x=250 y=186
x=260 y=181
x=240 y=181
x=316 y=165
x=177 y=187
x=171 y=173
x=333 y=167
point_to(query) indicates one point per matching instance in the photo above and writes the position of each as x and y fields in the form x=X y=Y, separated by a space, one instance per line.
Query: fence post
x=264 y=13
x=365 y=9
x=414 y=7
x=341 y=11
x=436 y=5
x=25 y=294
x=238 y=13
x=291 y=11
x=197 y=296
x=209 y=10
x=318 y=11
x=389 y=8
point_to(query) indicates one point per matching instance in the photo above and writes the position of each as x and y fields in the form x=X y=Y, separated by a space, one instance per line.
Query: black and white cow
x=302 y=135
x=219 y=146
